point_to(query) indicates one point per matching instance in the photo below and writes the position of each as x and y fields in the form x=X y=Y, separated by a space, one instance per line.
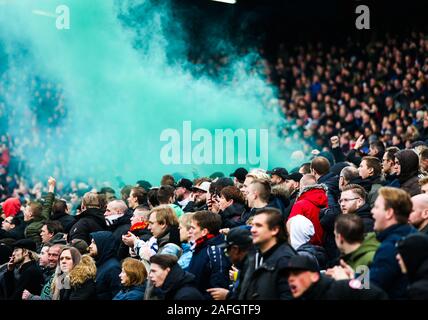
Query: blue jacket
x=210 y=266
x=131 y=293
x=108 y=266
x=186 y=256
x=384 y=270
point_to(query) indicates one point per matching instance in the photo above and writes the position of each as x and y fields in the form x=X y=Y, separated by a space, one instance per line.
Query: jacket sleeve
x=219 y=266
x=354 y=157
x=384 y=268
x=47 y=206
x=338 y=154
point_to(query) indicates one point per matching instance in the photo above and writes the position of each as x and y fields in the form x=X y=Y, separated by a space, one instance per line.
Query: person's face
x=387 y=165
x=363 y=170
x=290 y=185
x=18 y=255
x=349 y=202
x=179 y=193
x=65 y=261
x=246 y=184
x=195 y=231
x=132 y=200
x=373 y=151
x=124 y=280
x=223 y=203
x=397 y=167
x=155 y=227
x=109 y=210
x=424 y=164
x=184 y=233
x=260 y=230
x=28 y=213
x=45 y=235
x=93 y=250
x=200 y=196
x=136 y=217
x=275 y=179
x=53 y=255
x=158 y=275
x=401 y=263
x=44 y=258
x=424 y=188
x=379 y=214
x=7 y=224
x=234 y=254
x=300 y=281
x=251 y=196
x=419 y=213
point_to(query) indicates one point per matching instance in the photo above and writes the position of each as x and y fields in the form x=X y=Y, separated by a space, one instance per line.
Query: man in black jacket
x=23 y=272
x=91 y=219
x=273 y=252
x=306 y=283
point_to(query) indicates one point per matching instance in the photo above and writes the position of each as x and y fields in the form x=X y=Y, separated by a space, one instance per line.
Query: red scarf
x=139 y=226
x=200 y=242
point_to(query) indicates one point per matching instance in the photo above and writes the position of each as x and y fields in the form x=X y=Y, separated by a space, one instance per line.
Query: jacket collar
x=312 y=187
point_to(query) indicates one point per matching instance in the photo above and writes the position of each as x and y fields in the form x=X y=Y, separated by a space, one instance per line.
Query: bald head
x=116 y=207
x=419 y=215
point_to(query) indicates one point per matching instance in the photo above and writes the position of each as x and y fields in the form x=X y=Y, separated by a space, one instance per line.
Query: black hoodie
x=408 y=177
x=88 y=221
x=180 y=285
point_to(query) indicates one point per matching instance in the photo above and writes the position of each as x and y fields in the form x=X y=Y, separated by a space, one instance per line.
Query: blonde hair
x=186 y=220
x=165 y=215
x=258 y=174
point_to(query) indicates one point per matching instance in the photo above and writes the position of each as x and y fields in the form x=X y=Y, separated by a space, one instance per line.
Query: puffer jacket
x=90 y=220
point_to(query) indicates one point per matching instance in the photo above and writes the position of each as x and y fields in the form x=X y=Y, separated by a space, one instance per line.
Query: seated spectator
x=175 y=283
x=132 y=278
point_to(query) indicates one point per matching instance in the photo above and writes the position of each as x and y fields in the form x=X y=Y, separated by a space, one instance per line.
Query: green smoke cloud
x=123 y=91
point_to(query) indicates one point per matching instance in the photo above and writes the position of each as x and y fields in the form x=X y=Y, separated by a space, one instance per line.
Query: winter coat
x=180 y=285
x=210 y=266
x=131 y=293
x=120 y=226
x=331 y=180
x=309 y=203
x=231 y=216
x=279 y=202
x=363 y=256
x=186 y=256
x=265 y=280
x=292 y=198
x=327 y=288
x=34 y=226
x=364 y=212
x=16 y=233
x=90 y=220
x=82 y=281
x=108 y=266
x=327 y=219
x=384 y=270
x=66 y=220
x=409 y=167
x=29 y=277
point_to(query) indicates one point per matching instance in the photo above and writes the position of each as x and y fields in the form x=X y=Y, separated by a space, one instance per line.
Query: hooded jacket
x=408 y=177
x=414 y=252
x=363 y=256
x=90 y=220
x=108 y=266
x=384 y=270
x=364 y=212
x=309 y=202
x=180 y=285
x=231 y=216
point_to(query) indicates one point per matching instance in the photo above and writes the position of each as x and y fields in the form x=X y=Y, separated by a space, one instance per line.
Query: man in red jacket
x=303 y=223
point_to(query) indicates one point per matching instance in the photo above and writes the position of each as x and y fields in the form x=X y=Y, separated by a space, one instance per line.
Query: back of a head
x=135 y=270
x=167 y=180
x=307 y=180
x=320 y=165
x=349 y=173
x=91 y=200
x=424 y=154
x=233 y=193
x=210 y=221
x=141 y=194
x=59 y=207
x=165 y=194
x=350 y=227
x=125 y=192
x=380 y=147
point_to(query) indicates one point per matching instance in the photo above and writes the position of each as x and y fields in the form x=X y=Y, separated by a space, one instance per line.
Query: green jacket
x=365 y=253
x=32 y=231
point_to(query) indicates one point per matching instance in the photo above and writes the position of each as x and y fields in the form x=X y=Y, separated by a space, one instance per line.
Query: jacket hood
x=96 y=214
x=409 y=163
x=11 y=207
x=317 y=194
x=281 y=192
x=414 y=251
x=106 y=246
x=177 y=278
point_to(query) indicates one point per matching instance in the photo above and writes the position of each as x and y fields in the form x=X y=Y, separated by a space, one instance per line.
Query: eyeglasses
x=346 y=200
x=7 y=221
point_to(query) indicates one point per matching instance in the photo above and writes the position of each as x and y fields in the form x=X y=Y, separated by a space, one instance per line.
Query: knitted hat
x=11 y=207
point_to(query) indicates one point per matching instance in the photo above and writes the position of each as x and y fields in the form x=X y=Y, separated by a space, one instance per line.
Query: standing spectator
x=257 y=194
x=103 y=250
x=292 y=185
x=91 y=219
x=118 y=219
x=13 y=228
x=60 y=213
x=185 y=223
x=265 y=281
x=370 y=170
x=132 y=278
x=183 y=191
x=278 y=176
x=391 y=213
x=232 y=207
x=175 y=283
x=23 y=272
x=239 y=177
x=412 y=257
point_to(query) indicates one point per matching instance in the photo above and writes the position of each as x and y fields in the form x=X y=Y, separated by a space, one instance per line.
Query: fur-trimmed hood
x=315 y=193
x=280 y=192
x=84 y=270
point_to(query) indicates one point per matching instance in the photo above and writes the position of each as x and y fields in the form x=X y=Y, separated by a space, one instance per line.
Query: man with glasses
x=237 y=246
x=12 y=227
x=353 y=201
x=388 y=164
